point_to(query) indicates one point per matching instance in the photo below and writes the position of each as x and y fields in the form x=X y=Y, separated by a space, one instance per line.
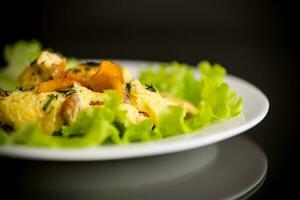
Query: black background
x=255 y=40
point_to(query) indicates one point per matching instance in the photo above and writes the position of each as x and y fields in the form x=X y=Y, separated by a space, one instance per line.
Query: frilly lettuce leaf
x=3 y=137
x=214 y=98
x=171 y=122
x=140 y=131
x=222 y=100
x=174 y=78
x=20 y=55
x=96 y=125
x=202 y=118
x=17 y=56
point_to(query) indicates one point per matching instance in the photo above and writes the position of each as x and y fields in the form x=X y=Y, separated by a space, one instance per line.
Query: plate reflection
x=107 y=178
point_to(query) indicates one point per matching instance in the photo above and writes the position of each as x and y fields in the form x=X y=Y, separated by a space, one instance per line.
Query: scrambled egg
x=22 y=107
x=50 y=110
x=146 y=101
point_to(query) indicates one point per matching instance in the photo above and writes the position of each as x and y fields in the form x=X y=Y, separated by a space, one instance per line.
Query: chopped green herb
x=33 y=62
x=128 y=87
x=91 y=63
x=7 y=128
x=57 y=133
x=51 y=97
x=67 y=91
x=4 y=93
x=23 y=89
x=150 y=88
x=76 y=135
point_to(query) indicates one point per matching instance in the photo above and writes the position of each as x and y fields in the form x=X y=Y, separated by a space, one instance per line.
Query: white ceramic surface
x=256 y=106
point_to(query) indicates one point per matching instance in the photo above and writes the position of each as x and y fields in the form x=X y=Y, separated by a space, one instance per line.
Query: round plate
x=256 y=106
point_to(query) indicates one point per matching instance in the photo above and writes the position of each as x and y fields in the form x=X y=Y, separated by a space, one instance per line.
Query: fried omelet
x=52 y=96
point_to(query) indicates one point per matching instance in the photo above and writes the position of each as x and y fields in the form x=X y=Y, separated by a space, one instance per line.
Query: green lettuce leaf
x=31 y=135
x=174 y=78
x=140 y=131
x=17 y=56
x=171 y=122
x=3 y=137
x=202 y=118
x=221 y=98
x=93 y=128
x=214 y=98
x=97 y=125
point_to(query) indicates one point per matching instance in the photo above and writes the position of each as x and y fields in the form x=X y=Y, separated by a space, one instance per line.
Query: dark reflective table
x=232 y=169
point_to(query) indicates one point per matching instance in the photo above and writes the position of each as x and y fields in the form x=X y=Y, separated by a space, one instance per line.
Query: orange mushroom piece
x=82 y=72
x=109 y=76
x=55 y=84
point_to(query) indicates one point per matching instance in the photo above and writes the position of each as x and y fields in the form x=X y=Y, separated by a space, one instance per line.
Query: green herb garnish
x=67 y=91
x=91 y=63
x=128 y=87
x=51 y=97
x=33 y=62
x=150 y=88
x=4 y=93
x=7 y=128
x=57 y=133
x=19 y=88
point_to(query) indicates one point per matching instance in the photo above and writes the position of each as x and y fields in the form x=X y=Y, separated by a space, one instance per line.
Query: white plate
x=256 y=106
